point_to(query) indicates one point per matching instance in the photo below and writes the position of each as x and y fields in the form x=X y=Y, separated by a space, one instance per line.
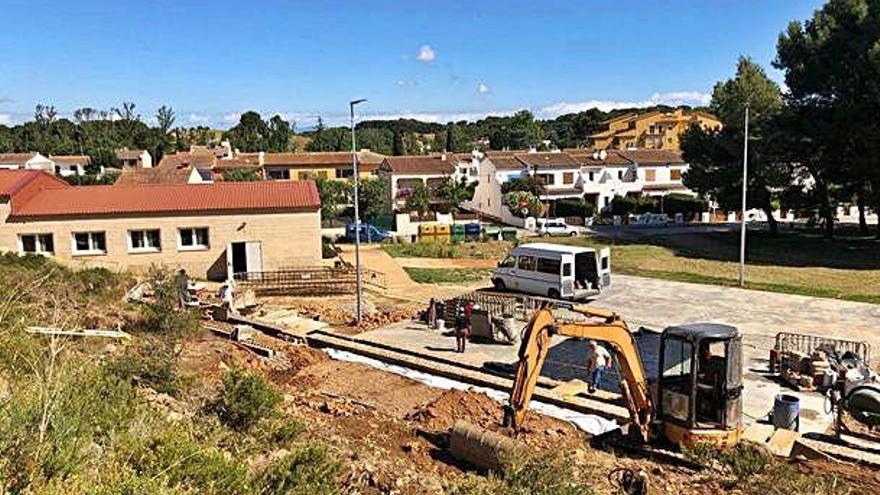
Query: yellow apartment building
x=652 y=130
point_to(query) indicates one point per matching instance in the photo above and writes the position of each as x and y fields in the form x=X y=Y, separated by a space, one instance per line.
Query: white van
x=554 y=270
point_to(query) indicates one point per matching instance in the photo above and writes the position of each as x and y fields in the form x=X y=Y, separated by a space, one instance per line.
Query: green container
x=458 y=233
x=508 y=234
x=491 y=233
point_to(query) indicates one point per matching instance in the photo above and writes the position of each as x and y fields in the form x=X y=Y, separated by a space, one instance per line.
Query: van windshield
x=507 y=262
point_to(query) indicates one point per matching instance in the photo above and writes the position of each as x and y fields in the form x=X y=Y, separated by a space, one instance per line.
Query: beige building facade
x=208 y=239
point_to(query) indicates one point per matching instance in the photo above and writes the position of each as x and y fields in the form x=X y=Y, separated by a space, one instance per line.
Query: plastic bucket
x=787 y=412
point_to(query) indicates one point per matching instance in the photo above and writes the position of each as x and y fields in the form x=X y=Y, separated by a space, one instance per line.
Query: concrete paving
x=657 y=304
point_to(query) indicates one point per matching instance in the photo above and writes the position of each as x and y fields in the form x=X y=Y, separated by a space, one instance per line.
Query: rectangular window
x=344 y=173
x=650 y=175
x=193 y=238
x=677 y=358
x=548 y=266
x=526 y=263
x=304 y=175
x=278 y=174
x=322 y=174
x=620 y=174
x=591 y=175
x=675 y=174
x=36 y=244
x=144 y=241
x=568 y=177
x=89 y=243
x=566 y=269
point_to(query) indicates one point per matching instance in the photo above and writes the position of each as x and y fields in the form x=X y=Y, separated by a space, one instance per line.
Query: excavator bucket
x=482 y=448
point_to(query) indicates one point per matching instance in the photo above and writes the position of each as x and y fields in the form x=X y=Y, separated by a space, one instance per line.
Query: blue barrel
x=787 y=412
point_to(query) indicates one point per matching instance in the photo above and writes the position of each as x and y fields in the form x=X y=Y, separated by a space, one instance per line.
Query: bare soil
x=391 y=432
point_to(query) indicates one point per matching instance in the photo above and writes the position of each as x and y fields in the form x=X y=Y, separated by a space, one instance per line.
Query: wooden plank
x=87 y=332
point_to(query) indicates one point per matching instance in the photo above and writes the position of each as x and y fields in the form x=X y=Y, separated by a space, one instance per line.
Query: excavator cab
x=700 y=384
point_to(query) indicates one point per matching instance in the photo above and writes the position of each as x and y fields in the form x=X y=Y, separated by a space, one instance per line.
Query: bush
x=682 y=203
x=522 y=204
x=242 y=175
x=624 y=205
x=152 y=363
x=171 y=455
x=308 y=470
x=575 y=208
x=327 y=249
x=245 y=398
x=161 y=313
x=533 y=475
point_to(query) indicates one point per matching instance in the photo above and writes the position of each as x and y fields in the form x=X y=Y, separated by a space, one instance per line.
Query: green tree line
x=813 y=147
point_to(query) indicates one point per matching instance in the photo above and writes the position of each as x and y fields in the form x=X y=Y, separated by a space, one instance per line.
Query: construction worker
x=227 y=296
x=463 y=325
x=598 y=362
x=181 y=281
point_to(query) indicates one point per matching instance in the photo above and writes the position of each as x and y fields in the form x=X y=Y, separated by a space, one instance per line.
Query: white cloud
x=482 y=89
x=426 y=54
x=5 y=118
x=693 y=98
x=232 y=117
x=197 y=118
x=438 y=117
x=406 y=83
x=675 y=98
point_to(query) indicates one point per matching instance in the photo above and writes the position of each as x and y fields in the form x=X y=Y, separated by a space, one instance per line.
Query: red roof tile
x=12 y=181
x=547 y=160
x=171 y=199
x=653 y=157
x=419 y=165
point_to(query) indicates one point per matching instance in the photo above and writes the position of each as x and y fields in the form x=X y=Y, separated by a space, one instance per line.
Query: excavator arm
x=602 y=326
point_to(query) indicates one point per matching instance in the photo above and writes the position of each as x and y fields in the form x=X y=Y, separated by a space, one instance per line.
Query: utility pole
x=742 y=226
x=357 y=216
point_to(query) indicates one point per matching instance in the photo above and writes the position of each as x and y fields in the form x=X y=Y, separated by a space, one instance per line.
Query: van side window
x=508 y=262
x=605 y=263
x=546 y=265
x=566 y=269
x=527 y=263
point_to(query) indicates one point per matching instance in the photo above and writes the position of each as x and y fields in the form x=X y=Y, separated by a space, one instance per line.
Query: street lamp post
x=742 y=227
x=357 y=216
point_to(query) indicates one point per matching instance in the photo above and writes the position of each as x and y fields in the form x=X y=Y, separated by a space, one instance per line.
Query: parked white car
x=555 y=271
x=555 y=227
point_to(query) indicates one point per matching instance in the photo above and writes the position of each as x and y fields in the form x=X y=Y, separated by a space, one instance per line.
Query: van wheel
x=545 y=234
x=572 y=234
x=499 y=284
x=553 y=294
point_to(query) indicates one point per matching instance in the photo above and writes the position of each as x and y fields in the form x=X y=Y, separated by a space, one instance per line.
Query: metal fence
x=803 y=343
x=520 y=306
x=308 y=281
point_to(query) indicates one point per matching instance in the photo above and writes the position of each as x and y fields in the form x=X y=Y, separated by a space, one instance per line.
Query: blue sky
x=430 y=60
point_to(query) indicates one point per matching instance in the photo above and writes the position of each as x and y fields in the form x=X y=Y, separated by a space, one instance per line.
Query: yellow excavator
x=695 y=400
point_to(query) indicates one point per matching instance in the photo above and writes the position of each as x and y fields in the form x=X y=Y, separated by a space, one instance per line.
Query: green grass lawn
x=468 y=250
x=793 y=263
x=447 y=275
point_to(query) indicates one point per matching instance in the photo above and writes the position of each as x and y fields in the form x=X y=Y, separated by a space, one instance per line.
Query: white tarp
x=590 y=423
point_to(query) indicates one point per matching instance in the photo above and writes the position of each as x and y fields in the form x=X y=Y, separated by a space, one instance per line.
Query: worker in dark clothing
x=463 y=325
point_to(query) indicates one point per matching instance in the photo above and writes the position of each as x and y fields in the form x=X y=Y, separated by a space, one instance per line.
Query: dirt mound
x=453 y=405
x=479 y=409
